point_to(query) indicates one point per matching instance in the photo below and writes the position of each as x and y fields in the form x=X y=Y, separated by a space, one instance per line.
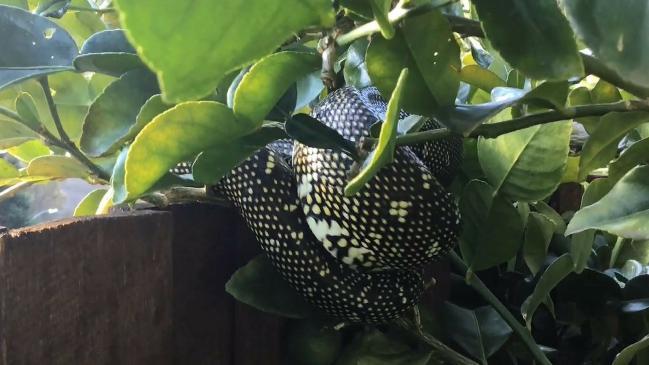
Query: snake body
x=357 y=258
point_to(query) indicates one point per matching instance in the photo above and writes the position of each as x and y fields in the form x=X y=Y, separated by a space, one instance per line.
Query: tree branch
x=474 y=281
x=439 y=348
x=92 y=10
x=498 y=129
x=64 y=140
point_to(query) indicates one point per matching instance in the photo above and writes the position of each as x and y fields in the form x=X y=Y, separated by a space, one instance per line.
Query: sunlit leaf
x=90 y=203
x=188 y=64
x=263 y=86
x=57 y=167
x=426 y=46
x=177 y=135
x=538 y=234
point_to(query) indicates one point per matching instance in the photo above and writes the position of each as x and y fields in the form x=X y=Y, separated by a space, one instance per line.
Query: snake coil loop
x=357 y=258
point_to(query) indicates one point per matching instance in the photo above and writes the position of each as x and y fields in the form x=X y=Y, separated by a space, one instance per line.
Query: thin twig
x=64 y=140
x=439 y=348
x=474 y=281
x=498 y=129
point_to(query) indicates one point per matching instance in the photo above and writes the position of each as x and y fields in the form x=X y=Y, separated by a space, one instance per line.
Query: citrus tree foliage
x=550 y=96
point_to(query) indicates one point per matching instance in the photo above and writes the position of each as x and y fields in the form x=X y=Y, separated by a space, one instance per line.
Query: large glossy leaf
x=114 y=112
x=107 y=52
x=57 y=167
x=533 y=36
x=176 y=135
x=383 y=153
x=31 y=46
x=263 y=86
x=426 y=46
x=260 y=286
x=601 y=147
x=629 y=352
x=211 y=165
x=492 y=228
x=209 y=38
x=480 y=331
x=481 y=77
x=528 y=164
x=557 y=271
x=617 y=35
x=624 y=211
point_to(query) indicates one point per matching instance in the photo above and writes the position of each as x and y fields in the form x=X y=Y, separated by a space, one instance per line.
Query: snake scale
x=357 y=258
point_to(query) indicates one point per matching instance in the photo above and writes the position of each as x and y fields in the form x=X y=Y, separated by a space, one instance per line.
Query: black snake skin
x=357 y=258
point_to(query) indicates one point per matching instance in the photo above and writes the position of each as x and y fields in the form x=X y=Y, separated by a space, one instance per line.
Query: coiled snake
x=357 y=258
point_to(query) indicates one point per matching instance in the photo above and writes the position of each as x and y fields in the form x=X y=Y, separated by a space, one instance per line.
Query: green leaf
x=260 y=286
x=57 y=167
x=373 y=347
x=526 y=165
x=480 y=331
x=383 y=154
x=308 y=88
x=492 y=228
x=108 y=52
x=213 y=164
x=263 y=86
x=582 y=96
x=480 y=77
x=13 y=133
x=188 y=61
x=623 y=211
x=557 y=220
x=637 y=153
x=426 y=46
x=90 y=203
x=31 y=46
x=113 y=114
x=177 y=135
x=314 y=133
x=550 y=94
x=533 y=36
x=7 y=170
x=617 y=35
x=355 y=71
x=601 y=147
x=26 y=108
x=557 y=271
x=629 y=352
x=29 y=150
x=538 y=234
